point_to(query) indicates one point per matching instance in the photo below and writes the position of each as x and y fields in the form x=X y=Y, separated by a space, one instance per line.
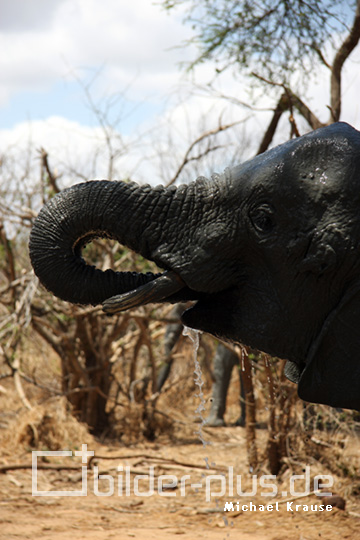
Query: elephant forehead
x=323 y=163
x=323 y=166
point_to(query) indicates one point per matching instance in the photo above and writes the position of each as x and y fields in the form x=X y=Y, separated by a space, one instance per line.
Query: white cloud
x=128 y=38
x=22 y=15
x=134 y=42
x=65 y=141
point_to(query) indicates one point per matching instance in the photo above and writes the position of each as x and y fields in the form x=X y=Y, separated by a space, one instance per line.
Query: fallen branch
x=44 y=466
x=156 y=458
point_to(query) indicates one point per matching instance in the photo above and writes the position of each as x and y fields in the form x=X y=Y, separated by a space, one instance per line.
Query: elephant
x=224 y=361
x=268 y=252
x=173 y=332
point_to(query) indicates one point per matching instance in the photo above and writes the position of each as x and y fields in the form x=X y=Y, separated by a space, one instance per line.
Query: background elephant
x=269 y=250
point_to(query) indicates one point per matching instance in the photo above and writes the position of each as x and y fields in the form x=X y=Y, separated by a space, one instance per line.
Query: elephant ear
x=332 y=372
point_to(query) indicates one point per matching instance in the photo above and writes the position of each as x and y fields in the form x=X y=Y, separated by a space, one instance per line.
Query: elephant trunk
x=131 y=214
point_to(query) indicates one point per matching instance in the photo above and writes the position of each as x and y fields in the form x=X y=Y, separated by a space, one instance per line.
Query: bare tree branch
x=188 y=158
x=282 y=105
x=342 y=54
x=287 y=101
x=14 y=366
x=51 y=177
x=9 y=269
x=321 y=56
x=304 y=110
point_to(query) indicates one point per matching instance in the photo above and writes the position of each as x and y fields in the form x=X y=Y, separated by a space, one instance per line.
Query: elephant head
x=268 y=250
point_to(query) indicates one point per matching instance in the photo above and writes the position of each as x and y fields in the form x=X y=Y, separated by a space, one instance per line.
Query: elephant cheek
x=332 y=373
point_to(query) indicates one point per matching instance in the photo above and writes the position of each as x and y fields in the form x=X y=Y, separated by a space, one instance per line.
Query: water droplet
x=194 y=335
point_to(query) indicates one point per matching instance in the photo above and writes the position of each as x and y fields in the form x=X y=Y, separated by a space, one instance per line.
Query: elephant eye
x=262 y=218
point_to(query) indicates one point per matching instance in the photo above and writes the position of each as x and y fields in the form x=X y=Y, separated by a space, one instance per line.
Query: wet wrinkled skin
x=268 y=250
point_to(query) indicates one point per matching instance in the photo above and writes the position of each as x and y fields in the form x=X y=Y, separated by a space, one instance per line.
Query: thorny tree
x=278 y=46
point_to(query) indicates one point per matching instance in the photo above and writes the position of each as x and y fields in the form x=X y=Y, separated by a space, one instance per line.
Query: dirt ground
x=123 y=505
x=185 y=511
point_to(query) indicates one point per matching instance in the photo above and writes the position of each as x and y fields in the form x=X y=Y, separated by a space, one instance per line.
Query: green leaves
x=274 y=39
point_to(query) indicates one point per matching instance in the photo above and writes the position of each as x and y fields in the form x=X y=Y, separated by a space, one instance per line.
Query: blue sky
x=50 y=46
x=66 y=98
x=53 y=49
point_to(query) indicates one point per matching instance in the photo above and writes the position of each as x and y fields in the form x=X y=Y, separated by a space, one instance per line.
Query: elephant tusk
x=156 y=290
x=293 y=371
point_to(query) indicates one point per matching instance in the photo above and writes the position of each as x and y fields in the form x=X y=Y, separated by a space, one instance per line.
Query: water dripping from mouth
x=194 y=335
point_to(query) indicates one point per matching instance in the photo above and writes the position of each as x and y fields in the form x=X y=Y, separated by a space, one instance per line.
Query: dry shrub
x=49 y=426
x=326 y=437
x=144 y=415
x=139 y=422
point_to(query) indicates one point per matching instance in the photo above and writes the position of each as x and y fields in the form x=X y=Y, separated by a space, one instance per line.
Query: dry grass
x=47 y=426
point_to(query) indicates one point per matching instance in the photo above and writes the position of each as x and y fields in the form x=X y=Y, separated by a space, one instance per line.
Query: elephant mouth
x=159 y=289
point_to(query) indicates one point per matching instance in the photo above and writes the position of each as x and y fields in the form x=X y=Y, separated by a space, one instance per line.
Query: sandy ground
x=187 y=510
x=160 y=516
